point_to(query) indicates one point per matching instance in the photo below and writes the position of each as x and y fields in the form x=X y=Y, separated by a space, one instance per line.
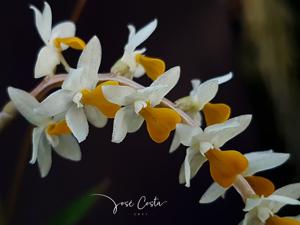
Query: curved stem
x=240 y=184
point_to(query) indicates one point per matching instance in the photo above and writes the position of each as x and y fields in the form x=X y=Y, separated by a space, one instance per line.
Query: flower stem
x=240 y=184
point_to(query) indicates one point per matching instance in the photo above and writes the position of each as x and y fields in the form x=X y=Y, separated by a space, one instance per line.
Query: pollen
x=96 y=98
x=154 y=67
x=58 y=128
x=226 y=165
x=160 y=122
x=261 y=185
x=276 y=220
x=216 y=113
x=73 y=42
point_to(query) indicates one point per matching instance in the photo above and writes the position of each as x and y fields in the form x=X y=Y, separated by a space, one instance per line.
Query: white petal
x=185 y=133
x=57 y=102
x=68 y=148
x=251 y=219
x=77 y=122
x=145 y=94
x=44 y=157
x=136 y=121
x=43 y=21
x=260 y=161
x=195 y=84
x=63 y=30
x=291 y=191
x=118 y=94
x=192 y=163
x=212 y=193
x=169 y=79
x=74 y=81
x=175 y=143
x=25 y=103
x=90 y=60
x=36 y=136
x=126 y=120
x=282 y=200
x=221 y=133
x=95 y=116
x=131 y=29
x=140 y=36
x=46 y=62
x=223 y=79
x=206 y=92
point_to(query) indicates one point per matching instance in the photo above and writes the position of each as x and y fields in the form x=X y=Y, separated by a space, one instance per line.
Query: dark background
x=206 y=39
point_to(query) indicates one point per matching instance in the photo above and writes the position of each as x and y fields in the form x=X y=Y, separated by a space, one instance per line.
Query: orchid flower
x=56 y=39
x=139 y=105
x=262 y=210
x=199 y=99
x=80 y=97
x=258 y=161
x=204 y=145
x=48 y=133
x=133 y=63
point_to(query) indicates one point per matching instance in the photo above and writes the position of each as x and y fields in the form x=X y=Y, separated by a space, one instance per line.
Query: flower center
x=58 y=128
x=96 y=98
x=77 y=99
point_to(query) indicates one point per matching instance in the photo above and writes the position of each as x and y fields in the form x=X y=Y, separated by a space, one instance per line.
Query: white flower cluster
x=85 y=97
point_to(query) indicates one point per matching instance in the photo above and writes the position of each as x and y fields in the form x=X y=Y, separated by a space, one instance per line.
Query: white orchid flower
x=80 y=97
x=56 y=39
x=263 y=210
x=258 y=161
x=138 y=105
x=199 y=99
x=133 y=63
x=204 y=145
x=48 y=133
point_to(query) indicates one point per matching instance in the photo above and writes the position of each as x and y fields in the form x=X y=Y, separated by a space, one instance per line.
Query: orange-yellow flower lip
x=226 y=165
x=154 y=67
x=73 y=42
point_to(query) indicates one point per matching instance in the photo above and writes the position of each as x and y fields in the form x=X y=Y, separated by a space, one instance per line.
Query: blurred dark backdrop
x=206 y=38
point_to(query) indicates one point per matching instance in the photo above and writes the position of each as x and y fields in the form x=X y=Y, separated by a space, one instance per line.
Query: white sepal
x=223 y=79
x=26 y=103
x=43 y=21
x=169 y=79
x=46 y=62
x=95 y=116
x=264 y=160
x=191 y=165
x=44 y=156
x=90 y=60
x=68 y=148
x=36 y=136
x=137 y=38
x=212 y=193
x=77 y=122
x=56 y=103
x=221 y=133
x=118 y=94
x=126 y=120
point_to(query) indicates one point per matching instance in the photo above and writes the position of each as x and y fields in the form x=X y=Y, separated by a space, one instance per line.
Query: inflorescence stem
x=48 y=83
